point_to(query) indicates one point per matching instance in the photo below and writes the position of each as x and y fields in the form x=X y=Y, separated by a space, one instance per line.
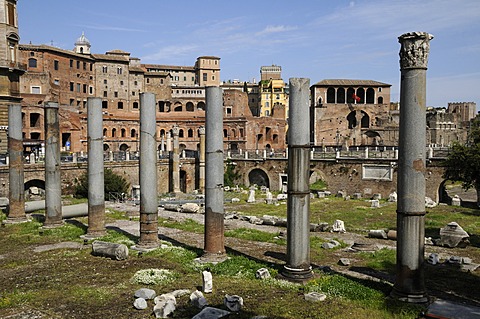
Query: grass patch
x=383 y=259
x=179 y=255
x=15 y=298
x=255 y=235
x=240 y=267
x=117 y=237
x=65 y=232
x=188 y=224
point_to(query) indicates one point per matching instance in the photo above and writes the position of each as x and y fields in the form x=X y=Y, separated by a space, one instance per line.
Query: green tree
x=230 y=176
x=113 y=183
x=463 y=161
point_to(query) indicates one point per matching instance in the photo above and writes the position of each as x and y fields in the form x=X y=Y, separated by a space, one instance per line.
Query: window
x=380 y=89
x=104 y=93
x=84 y=65
x=71 y=63
x=184 y=78
x=35 y=90
x=55 y=65
x=79 y=87
x=121 y=82
x=133 y=93
x=135 y=105
x=71 y=86
x=148 y=80
x=104 y=104
x=11 y=14
x=119 y=70
x=71 y=102
x=205 y=76
x=84 y=88
x=78 y=64
x=120 y=105
x=104 y=69
x=135 y=83
x=161 y=81
x=115 y=94
x=213 y=77
x=90 y=90
x=105 y=81
x=32 y=63
x=56 y=82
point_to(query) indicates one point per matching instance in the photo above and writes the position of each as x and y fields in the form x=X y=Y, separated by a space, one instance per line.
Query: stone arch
x=370 y=98
x=124 y=147
x=340 y=96
x=365 y=121
x=106 y=147
x=350 y=95
x=34 y=183
x=361 y=95
x=316 y=175
x=380 y=100
x=330 y=95
x=189 y=107
x=259 y=177
x=352 y=119
x=201 y=106
x=177 y=107
x=442 y=194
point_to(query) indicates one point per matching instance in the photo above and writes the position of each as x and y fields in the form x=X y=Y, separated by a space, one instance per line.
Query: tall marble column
x=201 y=182
x=410 y=282
x=148 y=173
x=297 y=265
x=53 y=187
x=96 y=177
x=176 y=160
x=214 y=210
x=16 y=189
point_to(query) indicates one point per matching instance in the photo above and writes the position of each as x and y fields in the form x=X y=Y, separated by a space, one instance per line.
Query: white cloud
x=275 y=29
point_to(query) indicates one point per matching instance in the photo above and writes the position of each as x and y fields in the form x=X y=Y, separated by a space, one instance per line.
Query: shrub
x=113 y=183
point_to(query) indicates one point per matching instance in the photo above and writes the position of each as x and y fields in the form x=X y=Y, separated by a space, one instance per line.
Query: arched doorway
x=258 y=177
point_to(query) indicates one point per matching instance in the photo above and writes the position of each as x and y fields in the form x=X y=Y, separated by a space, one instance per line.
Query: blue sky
x=312 y=38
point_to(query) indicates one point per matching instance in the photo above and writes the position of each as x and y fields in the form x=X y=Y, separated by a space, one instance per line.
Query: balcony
x=18 y=66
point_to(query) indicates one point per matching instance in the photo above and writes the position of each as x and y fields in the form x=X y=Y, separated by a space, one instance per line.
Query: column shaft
x=176 y=160
x=201 y=182
x=148 y=173
x=96 y=177
x=53 y=190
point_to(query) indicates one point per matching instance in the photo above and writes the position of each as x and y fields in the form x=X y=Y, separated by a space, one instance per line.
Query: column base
x=145 y=247
x=417 y=298
x=212 y=258
x=296 y=274
x=15 y=220
x=52 y=225
x=93 y=234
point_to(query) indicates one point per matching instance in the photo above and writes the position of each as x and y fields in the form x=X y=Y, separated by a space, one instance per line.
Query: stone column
x=96 y=178
x=169 y=142
x=53 y=190
x=297 y=266
x=201 y=181
x=410 y=283
x=148 y=173
x=214 y=211
x=16 y=190
x=176 y=160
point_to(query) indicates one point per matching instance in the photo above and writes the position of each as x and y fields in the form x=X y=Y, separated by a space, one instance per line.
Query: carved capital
x=201 y=130
x=414 y=50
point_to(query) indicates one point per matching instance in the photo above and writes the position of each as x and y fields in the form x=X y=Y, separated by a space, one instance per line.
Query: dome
x=82 y=40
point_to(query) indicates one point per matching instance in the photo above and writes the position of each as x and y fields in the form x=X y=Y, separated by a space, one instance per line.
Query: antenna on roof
x=51 y=43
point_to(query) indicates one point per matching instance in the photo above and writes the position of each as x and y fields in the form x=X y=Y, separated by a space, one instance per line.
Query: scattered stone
x=251 y=196
x=456 y=201
x=328 y=193
x=235 y=200
x=269 y=220
x=374 y=203
x=262 y=273
x=191 y=208
x=344 y=262
x=231 y=216
x=315 y=296
x=321 y=194
x=211 y=313
x=233 y=302
x=429 y=241
x=338 y=226
x=455 y=260
x=207 y=281
x=322 y=227
x=180 y=292
x=198 y=300
x=331 y=244
x=377 y=233
x=377 y=196
x=364 y=247
x=347 y=197
x=393 y=197
x=466 y=260
x=109 y=250
x=282 y=197
x=226 y=188
x=341 y=193
x=255 y=220
x=165 y=305
x=145 y=293
x=453 y=235
x=430 y=203
x=392 y=234
x=433 y=259
x=357 y=195
x=172 y=207
x=469 y=267
x=269 y=198
x=140 y=304
x=63 y=245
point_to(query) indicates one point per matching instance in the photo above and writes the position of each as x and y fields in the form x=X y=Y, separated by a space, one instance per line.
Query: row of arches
x=351 y=95
x=177 y=106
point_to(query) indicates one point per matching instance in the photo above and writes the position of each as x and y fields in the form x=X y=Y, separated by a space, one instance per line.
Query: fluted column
x=410 y=282
x=201 y=182
x=176 y=160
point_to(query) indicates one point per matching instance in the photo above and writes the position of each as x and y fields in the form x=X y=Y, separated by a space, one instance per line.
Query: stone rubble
x=262 y=273
x=233 y=302
x=453 y=235
x=315 y=296
x=207 y=281
x=211 y=313
x=197 y=299
x=145 y=293
x=140 y=304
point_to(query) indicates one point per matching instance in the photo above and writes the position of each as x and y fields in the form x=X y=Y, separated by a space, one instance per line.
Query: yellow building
x=273 y=92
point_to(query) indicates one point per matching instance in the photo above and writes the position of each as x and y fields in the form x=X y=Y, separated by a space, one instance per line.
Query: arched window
x=340 y=96
x=32 y=63
x=177 y=107
x=365 y=122
x=114 y=132
x=180 y=133
x=162 y=132
x=123 y=132
x=104 y=132
x=201 y=106
x=330 y=95
x=161 y=106
x=370 y=96
x=189 y=107
x=360 y=98
x=135 y=105
x=380 y=100
x=133 y=133
x=190 y=132
x=225 y=133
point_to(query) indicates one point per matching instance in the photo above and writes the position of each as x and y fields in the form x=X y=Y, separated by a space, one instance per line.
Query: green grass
x=113 y=236
x=383 y=259
x=15 y=298
x=240 y=267
x=189 y=225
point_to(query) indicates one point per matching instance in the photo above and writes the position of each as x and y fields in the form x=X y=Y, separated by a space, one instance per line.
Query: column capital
x=414 y=50
x=201 y=130
x=175 y=130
